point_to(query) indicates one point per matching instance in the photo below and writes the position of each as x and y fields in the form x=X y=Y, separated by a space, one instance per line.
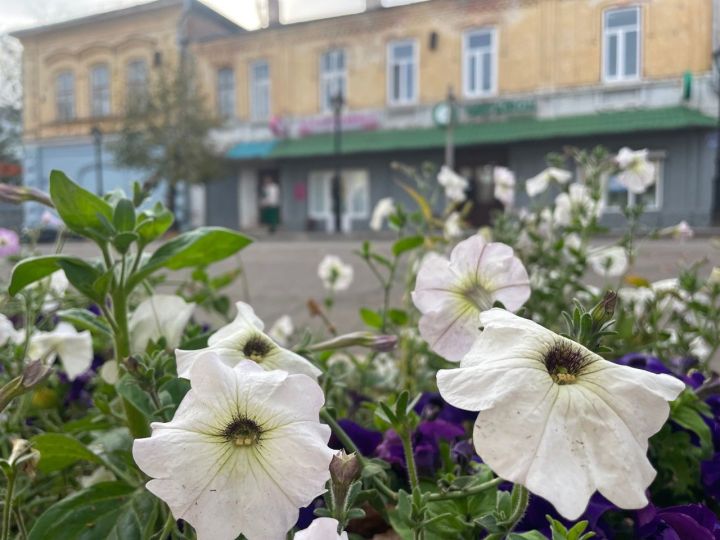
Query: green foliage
x=59 y=451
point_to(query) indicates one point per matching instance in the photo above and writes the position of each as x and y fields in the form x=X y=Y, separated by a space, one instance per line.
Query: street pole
x=337 y=104
x=449 y=135
x=97 y=138
x=716 y=57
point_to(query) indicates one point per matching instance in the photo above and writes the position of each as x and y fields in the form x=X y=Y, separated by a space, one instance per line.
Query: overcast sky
x=16 y=14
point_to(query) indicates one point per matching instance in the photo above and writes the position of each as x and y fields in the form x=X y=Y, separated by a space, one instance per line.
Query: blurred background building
x=354 y=93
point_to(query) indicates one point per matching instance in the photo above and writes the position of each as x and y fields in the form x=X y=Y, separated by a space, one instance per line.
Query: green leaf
x=398 y=316
x=34 y=269
x=82 y=211
x=687 y=411
x=371 y=318
x=151 y=224
x=198 y=247
x=129 y=389
x=82 y=319
x=59 y=451
x=420 y=200
x=124 y=215
x=123 y=241
x=109 y=510
x=407 y=244
x=83 y=277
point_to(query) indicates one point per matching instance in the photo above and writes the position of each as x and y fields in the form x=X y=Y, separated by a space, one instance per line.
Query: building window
x=100 y=90
x=226 y=92
x=616 y=196
x=402 y=73
x=65 y=96
x=259 y=91
x=479 y=63
x=333 y=77
x=621 y=44
x=137 y=83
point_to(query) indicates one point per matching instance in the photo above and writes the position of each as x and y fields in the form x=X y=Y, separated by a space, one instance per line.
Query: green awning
x=499 y=132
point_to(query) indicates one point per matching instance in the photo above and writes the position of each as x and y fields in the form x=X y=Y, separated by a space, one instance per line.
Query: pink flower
x=9 y=242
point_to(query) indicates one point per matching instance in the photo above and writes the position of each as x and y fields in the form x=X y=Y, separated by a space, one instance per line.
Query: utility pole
x=449 y=132
x=97 y=139
x=337 y=105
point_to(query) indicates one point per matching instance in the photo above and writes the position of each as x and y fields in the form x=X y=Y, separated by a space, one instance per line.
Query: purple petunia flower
x=432 y=406
x=691 y=521
x=9 y=242
x=710 y=473
x=366 y=440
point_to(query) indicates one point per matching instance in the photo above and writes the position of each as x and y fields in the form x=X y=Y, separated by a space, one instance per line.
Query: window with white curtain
x=621 y=44
x=100 y=90
x=402 y=72
x=65 y=95
x=260 y=91
x=479 y=63
x=355 y=197
x=333 y=77
x=226 y=92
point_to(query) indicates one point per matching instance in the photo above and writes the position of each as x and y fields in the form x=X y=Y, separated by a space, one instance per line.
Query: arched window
x=226 y=92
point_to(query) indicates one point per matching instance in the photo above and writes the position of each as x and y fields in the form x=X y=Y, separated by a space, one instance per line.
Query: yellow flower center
x=242 y=432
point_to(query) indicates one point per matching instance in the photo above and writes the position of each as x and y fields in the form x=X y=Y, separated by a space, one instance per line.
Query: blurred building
x=528 y=76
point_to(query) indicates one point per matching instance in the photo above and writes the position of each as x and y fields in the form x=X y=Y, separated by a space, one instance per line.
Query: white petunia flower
x=539 y=183
x=609 y=261
x=57 y=285
x=8 y=334
x=638 y=297
x=453 y=227
x=573 y=241
x=74 y=348
x=681 y=231
x=504 y=180
x=576 y=204
x=322 y=529
x=335 y=274
x=110 y=372
x=636 y=172
x=556 y=417
x=383 y=209
x=244 y=339
x=244 y=451
x=159 y=316
x=451 y=294
x=281 y=330
x=454 y=184
x=714 y=277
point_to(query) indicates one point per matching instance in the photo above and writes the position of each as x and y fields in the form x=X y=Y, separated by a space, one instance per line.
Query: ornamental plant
x=518 y=382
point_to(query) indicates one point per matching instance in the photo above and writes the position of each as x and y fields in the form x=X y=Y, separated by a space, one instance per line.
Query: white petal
x=321 y=529
x=451 y=331
x=244 y=320
x=537 y=184
x=434 y=282
x=466 y=257
x=161 y=315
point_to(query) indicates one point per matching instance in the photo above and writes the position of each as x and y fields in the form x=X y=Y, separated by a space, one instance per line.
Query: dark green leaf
x=59 y=451
x=406 y=244
x=151 y=224
x=105 y=511
x=129 y=389
x=83 y=277
x=371 y=318
x=124 y=215
x=82 y=319
x=123 y=241
x=398 y=316
x=198 y=247
x=34 y=269
x=80 y=209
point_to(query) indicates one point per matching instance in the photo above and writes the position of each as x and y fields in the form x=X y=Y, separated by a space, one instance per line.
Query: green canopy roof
x=499 y=132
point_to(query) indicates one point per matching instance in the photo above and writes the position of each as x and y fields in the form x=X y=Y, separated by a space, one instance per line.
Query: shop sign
x=504 y=109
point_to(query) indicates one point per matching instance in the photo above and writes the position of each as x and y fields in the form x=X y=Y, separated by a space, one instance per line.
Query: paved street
x=282 y=273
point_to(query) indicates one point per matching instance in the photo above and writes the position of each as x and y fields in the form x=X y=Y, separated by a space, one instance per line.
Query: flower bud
x=344 y=468
x=24 y=457
x=380 y=343
x=19 y=194
x=605 y=309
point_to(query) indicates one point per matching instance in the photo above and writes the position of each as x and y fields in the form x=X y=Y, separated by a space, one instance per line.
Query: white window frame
x=255 y=115
x=467 y=51
x=105 y=97
x=656 y=158
x=325 y=178
x=65 y=99
x=619 y=33
x=327 y=78
x=221 y=90
x=416 y=73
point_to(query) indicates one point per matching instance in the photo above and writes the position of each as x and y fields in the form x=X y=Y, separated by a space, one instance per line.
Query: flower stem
x=410 y=460
x=7 y=508
x=466 y=492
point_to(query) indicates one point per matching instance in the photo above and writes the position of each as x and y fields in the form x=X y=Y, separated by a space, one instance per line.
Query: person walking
x=270 y=204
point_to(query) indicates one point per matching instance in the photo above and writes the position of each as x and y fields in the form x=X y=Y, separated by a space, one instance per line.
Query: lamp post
x=337 y=103
x=716 y=58
x=97 y=136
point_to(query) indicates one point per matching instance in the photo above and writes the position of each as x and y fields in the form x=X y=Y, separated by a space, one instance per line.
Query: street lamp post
x=716 y=57
x=97 y=139
x=337 y=105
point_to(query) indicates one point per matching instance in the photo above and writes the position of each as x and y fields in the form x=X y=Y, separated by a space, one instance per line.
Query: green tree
x=165 y=131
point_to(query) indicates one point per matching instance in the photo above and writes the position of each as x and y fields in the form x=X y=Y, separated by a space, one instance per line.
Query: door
x=355 y=202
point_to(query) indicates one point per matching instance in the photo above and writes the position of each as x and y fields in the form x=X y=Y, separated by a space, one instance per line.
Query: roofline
x=127 y=12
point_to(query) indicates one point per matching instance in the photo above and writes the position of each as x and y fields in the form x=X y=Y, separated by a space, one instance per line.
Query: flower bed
x=500 y=397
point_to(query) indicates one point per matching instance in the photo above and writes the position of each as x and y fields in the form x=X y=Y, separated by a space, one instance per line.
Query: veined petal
x=434 y=282
x=467 y=256
x=290 y=362
x=451 y=331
